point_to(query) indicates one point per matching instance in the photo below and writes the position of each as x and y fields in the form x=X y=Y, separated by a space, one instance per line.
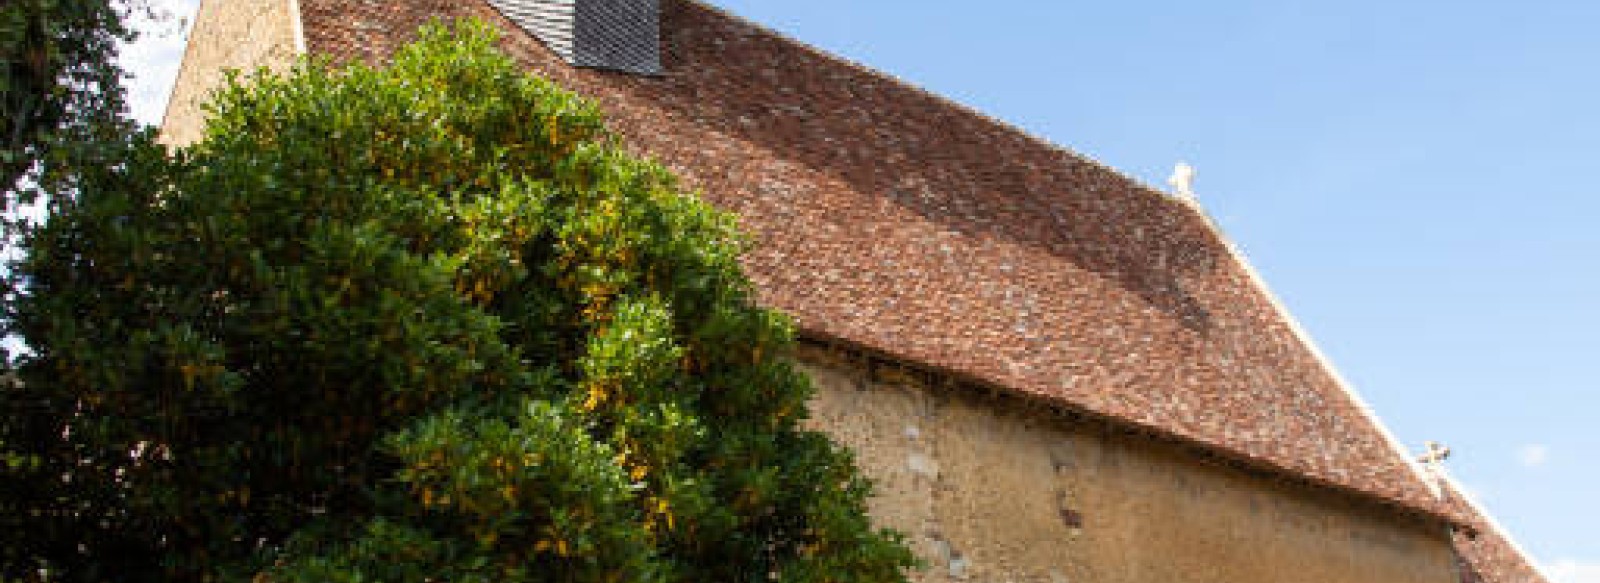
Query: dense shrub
x=427 y=321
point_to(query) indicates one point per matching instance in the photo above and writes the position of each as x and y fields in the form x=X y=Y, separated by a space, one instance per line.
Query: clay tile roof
x=1486 y=553
x=892 y=219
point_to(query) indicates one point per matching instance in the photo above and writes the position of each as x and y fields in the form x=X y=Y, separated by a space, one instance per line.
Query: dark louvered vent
x=622 y=35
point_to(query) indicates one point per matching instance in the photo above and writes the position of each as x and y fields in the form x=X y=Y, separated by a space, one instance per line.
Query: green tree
x=422 y=322
x=61 y=93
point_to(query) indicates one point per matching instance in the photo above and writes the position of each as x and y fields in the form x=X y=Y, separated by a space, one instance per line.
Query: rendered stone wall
x=988 y=491
x=227 y=34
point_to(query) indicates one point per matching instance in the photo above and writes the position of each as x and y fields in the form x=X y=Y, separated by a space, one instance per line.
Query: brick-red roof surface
x=893 y=219
x=1486 y=552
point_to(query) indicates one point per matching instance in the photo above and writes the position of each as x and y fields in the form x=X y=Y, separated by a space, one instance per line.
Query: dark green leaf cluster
x=61 y=91
x=425 y=322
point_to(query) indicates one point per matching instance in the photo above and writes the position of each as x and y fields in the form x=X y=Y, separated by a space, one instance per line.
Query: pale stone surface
x=987 y=491
x=227 y=34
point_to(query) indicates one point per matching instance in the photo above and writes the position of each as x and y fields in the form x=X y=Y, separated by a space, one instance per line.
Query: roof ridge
x=928 y=93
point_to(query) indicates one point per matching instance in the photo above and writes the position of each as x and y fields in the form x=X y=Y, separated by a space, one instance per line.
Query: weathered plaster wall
x=227 y=34
x=989 y=491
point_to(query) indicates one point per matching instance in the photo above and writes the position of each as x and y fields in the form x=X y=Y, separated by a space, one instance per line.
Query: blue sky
x=1418 y=181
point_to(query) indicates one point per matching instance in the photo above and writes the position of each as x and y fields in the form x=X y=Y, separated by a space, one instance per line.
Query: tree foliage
x=424 y=322
x=61 y=91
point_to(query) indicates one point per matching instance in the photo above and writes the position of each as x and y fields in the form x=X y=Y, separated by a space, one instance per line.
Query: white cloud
x=1572 y=571
x=1473 y=491
x=1533 y=455
x=152 y=61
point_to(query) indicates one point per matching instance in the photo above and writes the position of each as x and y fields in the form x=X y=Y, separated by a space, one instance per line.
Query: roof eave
x=1438 y=515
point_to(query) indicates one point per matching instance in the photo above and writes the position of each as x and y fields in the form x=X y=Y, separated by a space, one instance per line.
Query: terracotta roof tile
x=1486 y=552
x=893 y=219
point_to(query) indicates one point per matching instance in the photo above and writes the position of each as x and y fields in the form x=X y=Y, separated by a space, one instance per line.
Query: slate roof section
x=896 y=220
x=621 y=35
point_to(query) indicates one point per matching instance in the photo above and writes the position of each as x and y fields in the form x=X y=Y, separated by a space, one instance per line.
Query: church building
x=1052 y=372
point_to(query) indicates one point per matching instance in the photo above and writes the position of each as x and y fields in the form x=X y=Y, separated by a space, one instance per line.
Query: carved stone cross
x=1436 y=454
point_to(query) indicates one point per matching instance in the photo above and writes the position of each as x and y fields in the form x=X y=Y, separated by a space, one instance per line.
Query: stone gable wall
x=227 y=34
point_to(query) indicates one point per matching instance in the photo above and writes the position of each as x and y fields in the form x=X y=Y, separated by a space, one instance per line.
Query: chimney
x=619 y=35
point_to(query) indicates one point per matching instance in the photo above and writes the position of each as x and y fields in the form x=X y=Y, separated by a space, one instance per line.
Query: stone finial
x=1435 y=455
x=1182 y=181
x=1432 y=461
